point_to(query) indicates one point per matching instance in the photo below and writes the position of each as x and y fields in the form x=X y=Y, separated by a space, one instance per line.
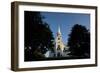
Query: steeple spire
x=59 y=32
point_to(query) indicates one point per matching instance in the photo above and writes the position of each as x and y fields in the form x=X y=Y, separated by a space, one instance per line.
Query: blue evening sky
x=66 y=21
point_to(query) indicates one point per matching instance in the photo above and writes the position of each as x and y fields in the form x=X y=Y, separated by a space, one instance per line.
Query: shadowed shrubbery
x=38 y=36
x=79 y=41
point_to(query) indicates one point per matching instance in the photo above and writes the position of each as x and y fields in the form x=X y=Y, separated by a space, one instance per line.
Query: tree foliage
x=38 y=36
x=79 y=41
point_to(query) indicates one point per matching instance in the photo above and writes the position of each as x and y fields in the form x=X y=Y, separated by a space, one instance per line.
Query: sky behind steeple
x=66 y=21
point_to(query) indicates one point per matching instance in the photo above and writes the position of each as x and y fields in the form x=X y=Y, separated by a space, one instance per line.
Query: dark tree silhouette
x=79 y=42
x=38 y=36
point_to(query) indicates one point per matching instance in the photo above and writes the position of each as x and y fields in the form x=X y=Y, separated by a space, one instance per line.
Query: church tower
x=59 y=46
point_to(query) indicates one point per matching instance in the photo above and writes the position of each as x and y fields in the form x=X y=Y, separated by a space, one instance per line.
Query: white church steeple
x=60 y=50
x=59 y=46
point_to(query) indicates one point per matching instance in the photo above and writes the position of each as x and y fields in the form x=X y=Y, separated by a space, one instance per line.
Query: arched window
x=58 y=55
x=58 y=38
x=58 y=48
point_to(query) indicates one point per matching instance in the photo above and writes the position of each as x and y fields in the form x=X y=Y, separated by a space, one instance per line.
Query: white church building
x=60 y=49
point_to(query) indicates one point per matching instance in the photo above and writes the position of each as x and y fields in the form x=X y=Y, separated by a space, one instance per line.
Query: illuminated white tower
x=59 y=46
